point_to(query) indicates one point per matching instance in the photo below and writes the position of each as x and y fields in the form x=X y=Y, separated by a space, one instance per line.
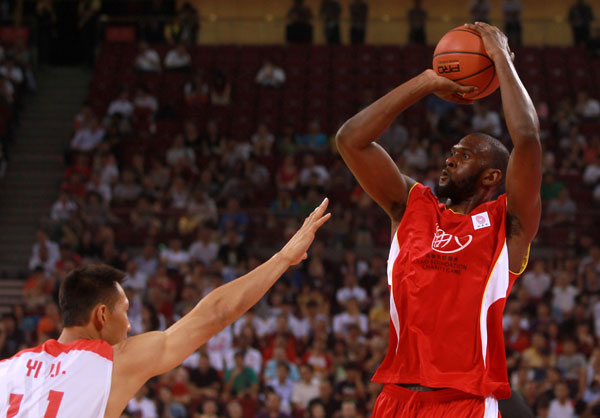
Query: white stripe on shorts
x=491 y=407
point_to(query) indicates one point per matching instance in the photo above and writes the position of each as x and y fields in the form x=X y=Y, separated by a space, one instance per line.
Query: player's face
x=117 y=324
x=459 y=179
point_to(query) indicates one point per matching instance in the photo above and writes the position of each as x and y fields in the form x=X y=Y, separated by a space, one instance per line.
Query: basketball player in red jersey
x=92 y=370
x=452 y=265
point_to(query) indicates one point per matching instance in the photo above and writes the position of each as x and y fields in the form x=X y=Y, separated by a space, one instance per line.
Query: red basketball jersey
x=448 y=278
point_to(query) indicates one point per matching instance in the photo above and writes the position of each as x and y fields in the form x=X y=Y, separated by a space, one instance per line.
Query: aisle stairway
x=36 y=165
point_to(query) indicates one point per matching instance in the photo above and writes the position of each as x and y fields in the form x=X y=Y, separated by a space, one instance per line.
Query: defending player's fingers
x=319 y=222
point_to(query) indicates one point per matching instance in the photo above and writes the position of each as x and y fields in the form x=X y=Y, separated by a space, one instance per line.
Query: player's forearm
x=519 y=111
x=367 y=125
x=228 y=302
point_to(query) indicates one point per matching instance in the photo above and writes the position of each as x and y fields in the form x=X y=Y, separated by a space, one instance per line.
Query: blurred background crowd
x=189 y=165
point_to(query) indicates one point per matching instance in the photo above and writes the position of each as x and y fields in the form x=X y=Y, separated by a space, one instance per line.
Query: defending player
x=451 y=266
x=93 y=370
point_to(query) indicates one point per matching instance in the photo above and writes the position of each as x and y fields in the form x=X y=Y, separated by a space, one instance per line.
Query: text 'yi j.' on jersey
x=449 y=279
x=56 y=380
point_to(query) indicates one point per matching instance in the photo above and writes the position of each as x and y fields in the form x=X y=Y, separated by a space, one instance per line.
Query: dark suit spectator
x=299 y=29
x=511 y=9
x=359 y=13
x=580 y=18
x=417 y=16
x=331 y=12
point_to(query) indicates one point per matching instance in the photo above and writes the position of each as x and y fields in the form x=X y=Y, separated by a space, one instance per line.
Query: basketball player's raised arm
x=153 y=353
x=371 y=165
x=524 y=171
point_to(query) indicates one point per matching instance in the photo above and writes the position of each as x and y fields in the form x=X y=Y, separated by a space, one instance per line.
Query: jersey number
x=54 y=400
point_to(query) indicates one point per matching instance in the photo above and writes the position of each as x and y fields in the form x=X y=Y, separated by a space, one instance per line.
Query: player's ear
x=99 y=316
x=491 y=177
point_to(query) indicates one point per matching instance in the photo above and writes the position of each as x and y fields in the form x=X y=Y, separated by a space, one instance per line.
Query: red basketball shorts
x=396 y=401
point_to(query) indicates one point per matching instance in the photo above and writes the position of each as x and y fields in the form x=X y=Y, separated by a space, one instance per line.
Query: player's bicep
x=523 y=182
x=379 y=176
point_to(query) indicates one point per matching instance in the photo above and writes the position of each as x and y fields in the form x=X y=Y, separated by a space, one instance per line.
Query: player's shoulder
x=54 y=348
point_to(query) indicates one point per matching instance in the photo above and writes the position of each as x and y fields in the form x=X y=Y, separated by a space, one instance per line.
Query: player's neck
x=72 y=334
x=467 y=205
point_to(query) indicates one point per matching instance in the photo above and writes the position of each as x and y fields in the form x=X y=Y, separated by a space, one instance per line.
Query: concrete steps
x=36 y=164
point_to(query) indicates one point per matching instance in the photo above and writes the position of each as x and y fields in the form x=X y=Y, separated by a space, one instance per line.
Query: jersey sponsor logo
x=447 y=243
x=481 y=220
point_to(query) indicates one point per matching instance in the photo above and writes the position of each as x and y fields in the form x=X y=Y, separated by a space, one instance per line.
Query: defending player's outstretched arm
x=138 y=358
x=371 y=165
x=524 y=171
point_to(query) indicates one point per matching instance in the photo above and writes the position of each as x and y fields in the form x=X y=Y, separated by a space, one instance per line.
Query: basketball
x=460 y=56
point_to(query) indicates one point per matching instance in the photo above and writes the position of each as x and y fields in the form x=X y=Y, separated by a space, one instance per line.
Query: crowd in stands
x=185 y=213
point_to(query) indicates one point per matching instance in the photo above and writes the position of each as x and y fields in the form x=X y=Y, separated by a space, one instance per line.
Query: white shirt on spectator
x=149 y=60
x=206 y=253
x=300 y=327
x=145 y=407
x=124 y=107
x=174 y=258
x=174 y=155
x=217 y=346
x=557 y=410
x=137 y=281
x=147 y=266
x=304 y=392
x=346 y=293
x=102 y=189
x=284 y=390
x=342 y=320
x=61 y=211
x=109 y=174
x=174 y=59
x=85 y=140
x=536 y=284
x=488 y=123
x=318 y=170
x=270 y=77
x=146 y=102
x=591 y=174
x=564 y=299
x=590 y=109
x=14 y=74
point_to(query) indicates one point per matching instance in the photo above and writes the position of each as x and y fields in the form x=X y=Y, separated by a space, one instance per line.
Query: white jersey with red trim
x=55 y=380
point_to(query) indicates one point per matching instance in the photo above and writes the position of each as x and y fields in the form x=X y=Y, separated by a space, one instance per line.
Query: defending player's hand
x=494 y=41
x=295 y=250
x=447 y=89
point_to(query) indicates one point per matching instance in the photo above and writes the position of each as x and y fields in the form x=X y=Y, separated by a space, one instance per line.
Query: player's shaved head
x=497 y=154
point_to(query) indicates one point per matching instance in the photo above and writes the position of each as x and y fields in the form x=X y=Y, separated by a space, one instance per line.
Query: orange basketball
x=460 y=56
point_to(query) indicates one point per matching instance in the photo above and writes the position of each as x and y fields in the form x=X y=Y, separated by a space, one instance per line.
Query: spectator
x=7 y=90
x=351 y=290
x=283 y=386
x=184 y=28
x=270 y=75
x=580 y=18
x=174 y=257
x=200 y=209
x=12 y=71
x=299 y=29
x=196 y=91
x=561 y=210
x=511 y=9
x=315 y=140
x=287 y=174
x=564 y=294
x=220 y=90
x=486 y=120
x=273 y=406
x=415 y=155
x=63 y=209
x=570 y=362
x=538 y=281
x=480 y=11
x=417 y=17
x=263 y=140
x=312 y=172
x=241 y=381
x=144 y=103
x=305 y=390
x=280 y=357
x=179 y=153
x=587 y=107
x=11 y=337
x=351 y=315
x=359 y=13
x=127 y=190
x=331 y=12
x=147 y=59
x=88 y=139
x=234 y=218
x=232 y=252
x=178 y=58
x=121 y=105
x=561 y=406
